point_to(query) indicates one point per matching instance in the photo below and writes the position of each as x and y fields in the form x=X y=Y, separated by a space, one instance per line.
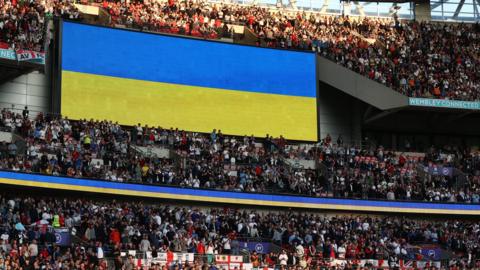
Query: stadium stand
x=399 y=54
x=115 y=229
x=98 y=194
x=23 y=24
x=105 y=150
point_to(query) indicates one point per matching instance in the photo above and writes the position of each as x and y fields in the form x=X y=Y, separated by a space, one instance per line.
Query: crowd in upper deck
x=23 y=24
x=431 y=60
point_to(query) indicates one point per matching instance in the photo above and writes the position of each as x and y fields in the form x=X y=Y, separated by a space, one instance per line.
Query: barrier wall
x=236 y=262
x=213 y=196
x=31 y=89
x=359 y=86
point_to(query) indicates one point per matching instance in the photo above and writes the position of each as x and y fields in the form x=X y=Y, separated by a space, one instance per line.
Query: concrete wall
x=339 y=114
x=359 y=86
x=423 y=128
x=6 y=136
x=301 y=163
x=158 y=151
x=423 y=11
x=29 y=89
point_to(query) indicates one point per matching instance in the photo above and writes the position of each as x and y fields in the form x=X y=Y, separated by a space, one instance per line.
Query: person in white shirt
x=210 y=251
x=4 y=237
x=341 y=252
x=283 y=258
x=144 y=244
x=33 y=249
x=254 y=232
x=157 y=219
x=365 y=226
x=300 y=251
x=4 y=246
x=100 y=254
x=226 y=245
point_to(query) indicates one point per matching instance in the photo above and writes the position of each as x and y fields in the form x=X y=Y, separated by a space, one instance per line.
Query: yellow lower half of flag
x=192 y=108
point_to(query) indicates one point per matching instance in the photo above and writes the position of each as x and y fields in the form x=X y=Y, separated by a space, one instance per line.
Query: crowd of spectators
x=416 y=59
x=182 y=18
x=105 y=229
x=106 y=150
x=431 y=60
x=378 y=173
x=93 y=149
x=23 y=24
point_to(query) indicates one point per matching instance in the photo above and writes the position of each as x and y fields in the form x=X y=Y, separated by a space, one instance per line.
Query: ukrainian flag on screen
x=195 y=85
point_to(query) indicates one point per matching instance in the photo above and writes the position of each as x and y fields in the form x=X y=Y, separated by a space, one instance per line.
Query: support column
x=422 y=11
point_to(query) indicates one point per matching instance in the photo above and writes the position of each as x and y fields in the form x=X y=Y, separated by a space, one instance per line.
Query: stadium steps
x=152 y=151
x=460 y=178
x=162 y=152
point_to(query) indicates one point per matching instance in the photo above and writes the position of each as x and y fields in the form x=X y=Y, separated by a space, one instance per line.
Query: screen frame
x=57 y=64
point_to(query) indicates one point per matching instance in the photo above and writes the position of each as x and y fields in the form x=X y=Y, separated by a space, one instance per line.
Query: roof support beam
x=476 y=3
x=459 y=7
x=434 y=6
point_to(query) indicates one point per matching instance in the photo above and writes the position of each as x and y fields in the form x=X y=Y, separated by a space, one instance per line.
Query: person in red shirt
x=258 y=170
x=369 y=252
x=14 y=251
x=200 y=248
x=62 y=220
x=255 y=260
x=251 y=20
x=115 y=236
x=270 y=260
x=351 y=251
x=402 y=160
x=44 y=253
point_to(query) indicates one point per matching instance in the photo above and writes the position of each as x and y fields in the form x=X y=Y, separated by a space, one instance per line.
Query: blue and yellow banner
x=196 y=85
x=240 y=198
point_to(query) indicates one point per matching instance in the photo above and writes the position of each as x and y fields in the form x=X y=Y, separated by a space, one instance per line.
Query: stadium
x=239 y=135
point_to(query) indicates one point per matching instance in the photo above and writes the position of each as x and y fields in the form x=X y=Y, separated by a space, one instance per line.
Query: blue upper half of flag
x=169 y=59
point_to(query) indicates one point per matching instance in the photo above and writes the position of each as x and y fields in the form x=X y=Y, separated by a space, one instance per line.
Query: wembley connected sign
x=442 y=103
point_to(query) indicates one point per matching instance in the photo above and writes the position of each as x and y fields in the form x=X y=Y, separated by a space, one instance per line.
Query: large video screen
x=194 y=85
